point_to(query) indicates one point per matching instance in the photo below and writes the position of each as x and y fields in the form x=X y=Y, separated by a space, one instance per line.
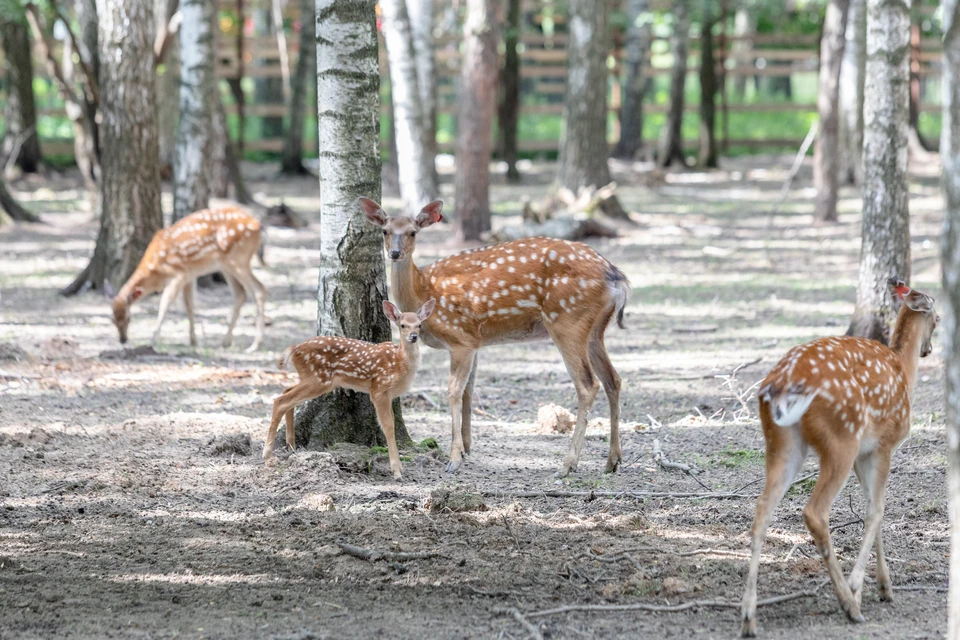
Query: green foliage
x=802 y=488
x=733 y=458
x=429 y=443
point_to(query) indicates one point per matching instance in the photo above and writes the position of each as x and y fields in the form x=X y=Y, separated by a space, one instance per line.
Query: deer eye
x=385 y=233
x=413 y=234
x=403 y=326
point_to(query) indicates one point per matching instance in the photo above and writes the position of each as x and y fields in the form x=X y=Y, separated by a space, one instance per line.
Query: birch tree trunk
x=825 y=155
x=417 y=185
x=478 y=95
x=292 y=160
x=20 y=112
x=852 y=74
x=420 y=13
x=352 y=280
x=708 y=91
x=885 y=249
x=950 y=248
x=671 y=136
x=634 y=83
x=198 y=86
x=508 y=110
x=130 y=177
x=744 y=30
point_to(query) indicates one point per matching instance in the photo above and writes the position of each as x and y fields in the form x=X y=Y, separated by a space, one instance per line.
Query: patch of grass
x=733 y=458
x=429 y=443
x=803 y=488
x=381 y=450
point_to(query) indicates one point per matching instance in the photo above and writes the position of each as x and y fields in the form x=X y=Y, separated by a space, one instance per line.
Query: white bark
x=197 y=93
x=825 y=156
x=885 y=251
x=417 y=187
x=421 y=29
x=950 y=156
x=744 y=28
x=852 y=73
x=353 y=283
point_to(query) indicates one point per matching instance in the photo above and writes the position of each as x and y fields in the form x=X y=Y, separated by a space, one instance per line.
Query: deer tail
x=284 y=361
x=787 y=406
x=620 y=289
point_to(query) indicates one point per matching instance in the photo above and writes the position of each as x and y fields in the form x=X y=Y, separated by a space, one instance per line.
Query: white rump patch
x=790 y=407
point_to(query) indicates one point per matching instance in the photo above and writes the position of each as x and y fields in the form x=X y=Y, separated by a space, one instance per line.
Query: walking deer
x=849 y=400
x=201 y=243
x=325 y=363
x=517 y=291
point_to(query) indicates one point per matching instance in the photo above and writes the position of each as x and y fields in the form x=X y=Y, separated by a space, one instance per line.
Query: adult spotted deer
x=210 y=240
x=517 y=291
x=325 y=363
x=849 y=400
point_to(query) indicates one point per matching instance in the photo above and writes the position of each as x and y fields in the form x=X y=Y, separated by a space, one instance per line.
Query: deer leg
x=250 y=282
x=467 y=409
x=284 y=404
x=574 y=347
x=170 y=293
x=189 y=305
x=785 y=455
x=600 y=362
x=836 y=460
x=460 y=364
x=384 y=406
x=872 y=471
x=291 y=434
x=239 y=297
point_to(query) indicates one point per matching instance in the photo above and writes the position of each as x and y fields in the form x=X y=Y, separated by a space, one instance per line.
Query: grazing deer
x=518 y=291
x=325 y=363
x=849 y=400
x=210 y=240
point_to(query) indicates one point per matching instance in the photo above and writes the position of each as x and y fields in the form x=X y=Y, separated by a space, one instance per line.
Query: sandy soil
x=134 y=503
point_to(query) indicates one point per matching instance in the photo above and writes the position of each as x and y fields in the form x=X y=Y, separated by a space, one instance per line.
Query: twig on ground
x=661 y=459
x=506 y=523
x=611 y=494
x=736 y=370
x=372 y=555
x=491 y=594
x=693 y=604
x=532 y=630
x=431 y=401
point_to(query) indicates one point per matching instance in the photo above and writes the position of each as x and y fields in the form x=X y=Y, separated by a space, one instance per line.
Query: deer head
x=400 y=232
x=409 y=322
x=921 y=305
x=121 y=311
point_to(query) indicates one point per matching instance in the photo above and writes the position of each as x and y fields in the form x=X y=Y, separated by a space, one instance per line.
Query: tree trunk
x=12 y=209
x=825 y=154
x=20 y=112
x=168 y=93
x=478 y=94
x=916 y=140
x=508 y=111
x=744 y=30
x=222 y=154
x=420 y=13
x=353 y=283
x=708 y=92
x=850 y=97
x=671 y=137
x=292 y=161
x=267 y=90
x=86 y=128
x=130 y=180
x=950 y=249
x=885 y=249
x=198 y=87
x=635 y=81
x=416 y=173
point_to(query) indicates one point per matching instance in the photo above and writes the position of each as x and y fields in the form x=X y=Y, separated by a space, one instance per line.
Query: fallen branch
x=590 y=495
x=661 y=459
x=372 y=555
x=531 y=628
x=563 y=228
x=693 y=604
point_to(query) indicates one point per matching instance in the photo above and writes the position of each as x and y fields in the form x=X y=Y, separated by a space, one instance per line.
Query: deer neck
x=410 y=287
x=410 y=353
x=906 y=343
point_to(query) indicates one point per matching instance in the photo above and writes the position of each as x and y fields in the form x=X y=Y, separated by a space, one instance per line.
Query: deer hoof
x=453 y=465
x=748 y=628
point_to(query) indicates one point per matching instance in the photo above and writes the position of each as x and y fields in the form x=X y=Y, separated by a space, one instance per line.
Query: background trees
x=886 y=221
x=825 y=160
x=20 y=112
x=352 y=278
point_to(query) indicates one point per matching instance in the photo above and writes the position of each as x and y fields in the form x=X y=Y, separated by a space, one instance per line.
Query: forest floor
x=134 y=501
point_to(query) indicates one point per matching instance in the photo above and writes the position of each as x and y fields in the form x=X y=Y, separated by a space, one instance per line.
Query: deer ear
x=898 y=287
x=391 y=311
x=430 y=214
x=919 y=302
x=373 y=211
x=424 y=312
x=137 y=292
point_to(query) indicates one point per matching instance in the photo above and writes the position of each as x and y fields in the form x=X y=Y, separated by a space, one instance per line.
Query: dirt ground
x=134 y=502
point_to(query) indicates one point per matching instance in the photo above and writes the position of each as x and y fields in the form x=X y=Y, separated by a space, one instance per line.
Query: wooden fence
x=543 y=72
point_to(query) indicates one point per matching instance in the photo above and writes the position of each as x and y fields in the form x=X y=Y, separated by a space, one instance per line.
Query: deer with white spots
x=848 y=399
x=201 y=243
x=385 y=371
x=530 y=289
